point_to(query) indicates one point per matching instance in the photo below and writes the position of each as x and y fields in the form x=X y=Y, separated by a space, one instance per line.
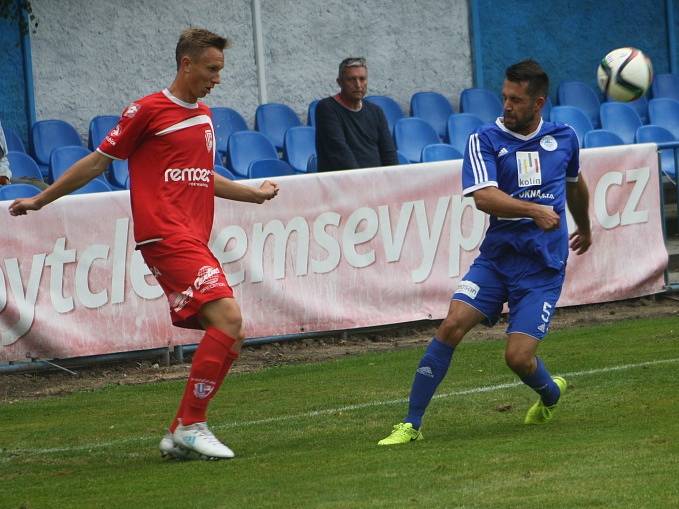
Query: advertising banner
x=333 y=251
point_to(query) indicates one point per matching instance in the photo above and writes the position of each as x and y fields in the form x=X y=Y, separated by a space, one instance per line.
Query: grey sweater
x=347 y=139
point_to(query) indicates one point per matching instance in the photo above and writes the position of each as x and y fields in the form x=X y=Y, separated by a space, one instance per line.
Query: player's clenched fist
x=269 y=189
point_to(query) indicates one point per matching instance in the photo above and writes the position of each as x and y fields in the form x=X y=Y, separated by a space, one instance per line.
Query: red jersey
x=170 y=148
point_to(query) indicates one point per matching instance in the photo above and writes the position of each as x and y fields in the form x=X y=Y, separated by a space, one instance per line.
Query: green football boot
x=541 y=414
x=402 y=434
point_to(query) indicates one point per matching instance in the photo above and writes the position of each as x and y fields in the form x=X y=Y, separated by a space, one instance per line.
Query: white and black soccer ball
x=625 y=74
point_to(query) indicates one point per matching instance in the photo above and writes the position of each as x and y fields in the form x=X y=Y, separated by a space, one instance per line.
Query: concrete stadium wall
x=409 y=46
x=567 y=38
x=93 y=57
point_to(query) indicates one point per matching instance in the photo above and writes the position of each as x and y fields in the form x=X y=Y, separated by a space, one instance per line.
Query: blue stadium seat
x=439 y=152
x=601 y=138
x=14 y=191
x=220 y=170
x=245 y=147
x=401 y=158
x=412 y=135
x=580 y=95
x=656 y=134
x=482 y=103
x=62 y=158
x=392 y=111
x=226 y=121
x=312 y=164
x=665 y=85
x=665 y=113
x=546 y=109
x=311 y=113
x=14 y=143
x=273 y=119
x=118 y=173
x=22 y=165
x=434 y=109
x=575 y=118
x=47 y=135
x=94 y=186
x=641 y=107
x=460 y=126
x=264 y=168
x=299 y=145
x=621 y=119
x=99 y=128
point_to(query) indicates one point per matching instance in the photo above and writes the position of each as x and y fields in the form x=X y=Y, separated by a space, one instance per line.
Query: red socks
x=211 y=362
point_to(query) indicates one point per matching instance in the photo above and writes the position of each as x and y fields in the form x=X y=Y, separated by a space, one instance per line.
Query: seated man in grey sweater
x=352 y=133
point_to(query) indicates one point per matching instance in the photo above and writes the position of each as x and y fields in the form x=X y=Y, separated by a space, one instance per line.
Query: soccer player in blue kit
x=521 y=170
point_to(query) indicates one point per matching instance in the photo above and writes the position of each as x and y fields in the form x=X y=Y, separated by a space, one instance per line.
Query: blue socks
x=541 y=382
x=432 y=369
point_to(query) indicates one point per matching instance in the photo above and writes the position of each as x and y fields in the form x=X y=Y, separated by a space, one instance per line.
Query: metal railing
x=673 y=179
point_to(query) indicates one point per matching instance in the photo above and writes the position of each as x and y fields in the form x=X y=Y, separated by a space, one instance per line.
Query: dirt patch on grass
x=15 y=387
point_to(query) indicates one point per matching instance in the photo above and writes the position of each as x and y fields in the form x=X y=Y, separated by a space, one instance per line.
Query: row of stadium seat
x=274 y=121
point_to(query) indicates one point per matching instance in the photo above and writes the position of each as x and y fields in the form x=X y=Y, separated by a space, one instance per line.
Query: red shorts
x=190 y=276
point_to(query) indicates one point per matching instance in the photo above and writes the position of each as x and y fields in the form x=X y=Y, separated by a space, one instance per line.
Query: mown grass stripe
x=5 y=455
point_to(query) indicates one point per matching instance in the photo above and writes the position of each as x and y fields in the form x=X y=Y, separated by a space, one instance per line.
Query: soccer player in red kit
x=169 y=142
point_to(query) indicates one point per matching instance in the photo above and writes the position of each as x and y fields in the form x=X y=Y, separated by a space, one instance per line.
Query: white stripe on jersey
x=476 y=158
x=472 y=158
x=189 y=122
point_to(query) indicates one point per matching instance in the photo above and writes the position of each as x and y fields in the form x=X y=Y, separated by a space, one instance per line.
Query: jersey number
x=546 y=312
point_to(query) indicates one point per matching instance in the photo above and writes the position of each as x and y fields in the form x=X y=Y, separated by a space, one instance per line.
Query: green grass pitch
x=305 y=435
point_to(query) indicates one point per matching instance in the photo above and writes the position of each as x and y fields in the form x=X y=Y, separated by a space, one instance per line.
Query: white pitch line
x=328 y=411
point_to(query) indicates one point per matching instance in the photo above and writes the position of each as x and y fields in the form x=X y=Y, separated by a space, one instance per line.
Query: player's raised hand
x=22 y=205
x=545 y=217
x=270 y=189
x=580 y=241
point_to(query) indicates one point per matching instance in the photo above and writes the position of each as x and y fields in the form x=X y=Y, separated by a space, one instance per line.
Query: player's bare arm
x=225 y=188
x=577 y=197
x=74 y=178
x=498 y=203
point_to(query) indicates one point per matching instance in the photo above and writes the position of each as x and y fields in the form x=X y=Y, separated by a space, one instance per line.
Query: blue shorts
x=531 y=293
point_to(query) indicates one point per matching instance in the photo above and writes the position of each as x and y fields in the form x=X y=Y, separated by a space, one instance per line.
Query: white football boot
x=168 y=449
x=199 y=439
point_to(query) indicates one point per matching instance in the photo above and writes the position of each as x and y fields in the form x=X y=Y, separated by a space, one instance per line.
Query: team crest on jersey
x=132 y=110
x=548 y=143
x=209 y=139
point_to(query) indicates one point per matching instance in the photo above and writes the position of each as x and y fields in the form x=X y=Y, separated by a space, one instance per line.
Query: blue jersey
x=535 y=168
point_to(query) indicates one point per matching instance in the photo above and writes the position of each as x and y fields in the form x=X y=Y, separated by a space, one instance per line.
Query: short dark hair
x=193 y=41
x=529 y=71
x=351 y=62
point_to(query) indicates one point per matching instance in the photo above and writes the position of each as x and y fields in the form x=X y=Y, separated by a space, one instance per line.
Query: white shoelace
x=207 y=434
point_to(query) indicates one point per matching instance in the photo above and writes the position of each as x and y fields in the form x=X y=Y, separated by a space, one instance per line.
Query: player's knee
x=450 y=331
x=521 y=362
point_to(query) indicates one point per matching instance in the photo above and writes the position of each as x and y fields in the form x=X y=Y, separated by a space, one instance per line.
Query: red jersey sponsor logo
x=207 y=279
x=178 y=301
x=113 y=135
x=194 y=176
x=132 y=110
